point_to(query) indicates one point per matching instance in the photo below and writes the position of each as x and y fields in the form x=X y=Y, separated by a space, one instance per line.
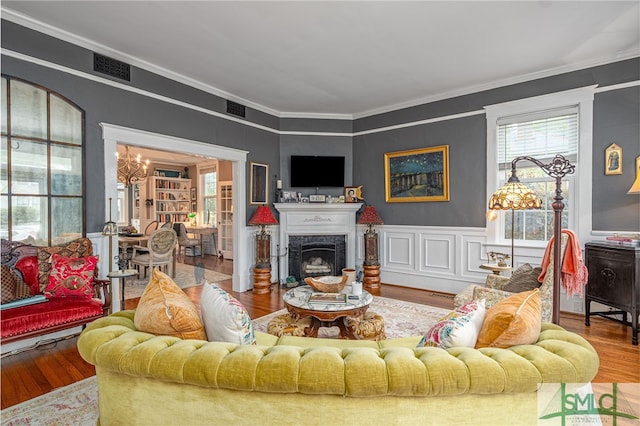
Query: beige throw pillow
x=165 y=309
x=516 y=320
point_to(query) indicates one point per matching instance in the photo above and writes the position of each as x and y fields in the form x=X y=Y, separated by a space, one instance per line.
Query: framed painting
x=352 y=194
x=259 y=183
x=613 y=160
x=417 y=175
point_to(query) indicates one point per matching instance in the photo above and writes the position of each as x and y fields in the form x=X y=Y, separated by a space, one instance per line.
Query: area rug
x=401 y=319
x=186 y=276
x=75 y=404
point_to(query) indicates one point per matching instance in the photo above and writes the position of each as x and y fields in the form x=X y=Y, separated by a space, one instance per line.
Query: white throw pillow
x=224 y=317
x=460 y=328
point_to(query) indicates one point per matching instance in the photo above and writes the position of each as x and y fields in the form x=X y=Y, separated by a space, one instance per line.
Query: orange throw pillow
x=516 y=320
x=165 y=309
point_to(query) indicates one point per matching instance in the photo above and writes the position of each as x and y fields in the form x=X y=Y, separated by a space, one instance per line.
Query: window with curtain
x=209 y=184
x=41 y=165
x=540 y=135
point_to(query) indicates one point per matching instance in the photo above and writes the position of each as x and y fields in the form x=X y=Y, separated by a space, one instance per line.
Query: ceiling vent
x=112 y=67
x=235 y=108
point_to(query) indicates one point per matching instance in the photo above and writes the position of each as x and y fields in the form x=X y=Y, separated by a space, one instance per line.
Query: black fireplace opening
x=316 y=255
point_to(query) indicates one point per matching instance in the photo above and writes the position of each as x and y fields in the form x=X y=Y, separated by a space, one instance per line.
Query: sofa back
x=353 y=370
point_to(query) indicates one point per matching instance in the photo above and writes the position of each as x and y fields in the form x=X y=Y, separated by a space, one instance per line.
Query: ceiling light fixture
x=131 y=171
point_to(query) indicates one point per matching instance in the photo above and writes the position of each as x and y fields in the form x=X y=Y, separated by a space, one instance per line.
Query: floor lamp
x=110 y=229
x=517 y=196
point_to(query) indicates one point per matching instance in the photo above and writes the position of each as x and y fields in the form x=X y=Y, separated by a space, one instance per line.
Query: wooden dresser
x=614 y=280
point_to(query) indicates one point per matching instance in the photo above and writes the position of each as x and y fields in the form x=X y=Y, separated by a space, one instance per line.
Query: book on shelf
x=325 y=298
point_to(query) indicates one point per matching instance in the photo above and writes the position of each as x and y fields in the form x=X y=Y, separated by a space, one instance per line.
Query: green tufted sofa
x=148 y=379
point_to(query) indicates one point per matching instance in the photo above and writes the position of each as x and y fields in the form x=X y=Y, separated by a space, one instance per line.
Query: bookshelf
x=171 y=201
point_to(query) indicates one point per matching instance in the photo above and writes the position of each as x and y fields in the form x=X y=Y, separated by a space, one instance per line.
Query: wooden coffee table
x=297 y=303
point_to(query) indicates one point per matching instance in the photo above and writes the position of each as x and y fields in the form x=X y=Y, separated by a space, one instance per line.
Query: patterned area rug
x=186 y=276
x=77 y=404
x=401 y=319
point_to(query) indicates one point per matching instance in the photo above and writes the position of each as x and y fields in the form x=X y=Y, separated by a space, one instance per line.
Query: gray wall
x=111 y=105
x=615 y=120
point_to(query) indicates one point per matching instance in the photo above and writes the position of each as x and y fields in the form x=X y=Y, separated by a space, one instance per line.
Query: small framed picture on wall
x=613 y=160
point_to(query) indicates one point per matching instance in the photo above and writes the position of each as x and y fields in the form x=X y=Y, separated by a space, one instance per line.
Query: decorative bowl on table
x=327 y=284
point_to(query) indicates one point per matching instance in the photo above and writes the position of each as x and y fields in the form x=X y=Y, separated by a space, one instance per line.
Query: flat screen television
x=309 y=171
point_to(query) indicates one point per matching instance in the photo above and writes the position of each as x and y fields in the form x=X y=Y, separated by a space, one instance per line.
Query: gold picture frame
x=259 y=184
x=613 y=160
x=417 y=175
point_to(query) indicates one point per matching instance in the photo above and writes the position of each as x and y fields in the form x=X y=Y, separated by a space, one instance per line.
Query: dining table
x=125 y=241
x=201 y=231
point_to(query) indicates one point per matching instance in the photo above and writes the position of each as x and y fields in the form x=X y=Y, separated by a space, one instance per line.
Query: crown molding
x=58 y=33
x=86 y=43
x=620 y=56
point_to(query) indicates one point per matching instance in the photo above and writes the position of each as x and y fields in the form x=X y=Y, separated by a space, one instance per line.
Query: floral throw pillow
x=224 y=317
x=71 y=276
x=459 y=328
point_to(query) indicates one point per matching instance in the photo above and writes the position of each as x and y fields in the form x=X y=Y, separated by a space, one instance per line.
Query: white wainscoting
x=433 y=258
x=444 y=259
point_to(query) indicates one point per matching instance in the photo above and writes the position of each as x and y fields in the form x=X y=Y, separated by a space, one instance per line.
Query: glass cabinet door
x=225 y=223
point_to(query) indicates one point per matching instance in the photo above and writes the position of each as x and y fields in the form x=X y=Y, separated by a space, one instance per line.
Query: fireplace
x=316 y=255
x=320 y=238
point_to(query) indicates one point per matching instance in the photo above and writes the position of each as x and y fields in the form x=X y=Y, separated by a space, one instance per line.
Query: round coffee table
x=297 y=303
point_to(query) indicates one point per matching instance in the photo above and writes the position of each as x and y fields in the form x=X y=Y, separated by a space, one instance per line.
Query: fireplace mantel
x=318 y=219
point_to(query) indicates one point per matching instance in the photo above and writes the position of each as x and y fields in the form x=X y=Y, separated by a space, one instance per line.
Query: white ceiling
x=344 y=59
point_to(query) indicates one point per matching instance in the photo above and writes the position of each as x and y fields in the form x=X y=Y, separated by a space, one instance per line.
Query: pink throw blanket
x=574 y=271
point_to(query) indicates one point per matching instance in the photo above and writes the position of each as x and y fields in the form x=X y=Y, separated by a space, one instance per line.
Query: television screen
x=316 y=171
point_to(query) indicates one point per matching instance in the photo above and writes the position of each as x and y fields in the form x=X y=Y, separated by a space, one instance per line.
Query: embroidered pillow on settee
x=224 y=317
x=80 y=247
x=71 y=276
x=459 y=328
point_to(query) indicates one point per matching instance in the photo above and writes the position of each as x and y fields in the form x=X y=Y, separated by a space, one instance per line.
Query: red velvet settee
x=29 y=307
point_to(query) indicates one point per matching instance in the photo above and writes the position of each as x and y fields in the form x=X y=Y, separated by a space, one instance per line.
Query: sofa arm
x=102 y=291
x=496 y=281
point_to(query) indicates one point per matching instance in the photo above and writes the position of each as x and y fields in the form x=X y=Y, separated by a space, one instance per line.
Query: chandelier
x=131 y=171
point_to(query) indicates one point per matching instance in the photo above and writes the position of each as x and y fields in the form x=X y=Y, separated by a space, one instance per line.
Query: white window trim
x=581 y=204
x=199 y=170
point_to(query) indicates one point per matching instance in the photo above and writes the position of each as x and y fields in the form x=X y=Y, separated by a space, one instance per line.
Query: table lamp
x=370 y=217
x=262 y=271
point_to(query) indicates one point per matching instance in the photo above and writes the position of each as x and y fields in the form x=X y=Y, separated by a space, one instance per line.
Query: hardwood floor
x=35 y=372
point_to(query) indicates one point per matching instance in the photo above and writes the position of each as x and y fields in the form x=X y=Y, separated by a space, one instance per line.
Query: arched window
x=41 y=165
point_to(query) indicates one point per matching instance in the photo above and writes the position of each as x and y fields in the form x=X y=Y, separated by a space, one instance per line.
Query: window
x=541 y=127
x=209 y=185
x=42 y=165
x=541 y=136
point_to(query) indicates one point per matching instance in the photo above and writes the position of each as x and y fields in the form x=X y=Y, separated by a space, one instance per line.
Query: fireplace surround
x=320 y=229
x=316 y=255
